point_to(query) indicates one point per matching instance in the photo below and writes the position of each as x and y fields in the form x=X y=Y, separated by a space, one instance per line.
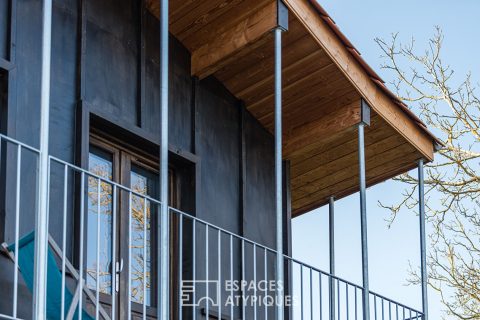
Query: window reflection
x=143 y=183
x=100 y=163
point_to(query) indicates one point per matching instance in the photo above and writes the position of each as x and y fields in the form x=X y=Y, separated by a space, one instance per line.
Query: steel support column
x=423 y=246
x=363 y=220
x=41 y=234
x=278 y=171
x=163 y=248
x=331 y=233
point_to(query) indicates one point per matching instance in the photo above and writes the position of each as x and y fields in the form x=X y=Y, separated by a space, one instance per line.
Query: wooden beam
x=247 y=34
x=330 y=124
x=351 y=68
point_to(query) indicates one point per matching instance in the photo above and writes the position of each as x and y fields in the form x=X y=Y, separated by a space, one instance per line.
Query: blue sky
x=390 y=250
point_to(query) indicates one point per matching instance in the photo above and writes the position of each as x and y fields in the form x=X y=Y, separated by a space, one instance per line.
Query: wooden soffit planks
x=376 y=98
x=330 y=168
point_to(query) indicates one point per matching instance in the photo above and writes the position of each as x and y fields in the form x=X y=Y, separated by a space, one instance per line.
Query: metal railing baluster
x=338 y=299
x=311 y=295
x=320 y=294
x=97 y=252
x=301 y=291
x=346 y=296
x=114 y=251
x=231 y=276
x=207 y=295
x=144 y=302
x=129 y=281
x=356 y=304
x=180 y=266
x=219 y=297
x=82 y=226
x=17 y=228
x=265 y=273
x=243 y=278
x=383 y=309
x=254 y=281
x=64 y=239
x=194 y=267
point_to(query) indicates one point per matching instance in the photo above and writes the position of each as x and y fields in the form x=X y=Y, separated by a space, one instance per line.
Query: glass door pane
x=143 y=182
x=99 y=206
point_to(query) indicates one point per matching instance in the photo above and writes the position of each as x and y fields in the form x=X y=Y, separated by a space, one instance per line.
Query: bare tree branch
x=452 y=109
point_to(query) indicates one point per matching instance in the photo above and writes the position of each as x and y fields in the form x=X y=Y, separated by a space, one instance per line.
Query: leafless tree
x=451 y=107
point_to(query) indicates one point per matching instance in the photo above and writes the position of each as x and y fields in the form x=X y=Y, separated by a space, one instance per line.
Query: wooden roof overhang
x=324 y=82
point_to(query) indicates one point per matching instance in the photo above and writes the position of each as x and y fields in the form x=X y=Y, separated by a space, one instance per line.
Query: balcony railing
x=214 y=273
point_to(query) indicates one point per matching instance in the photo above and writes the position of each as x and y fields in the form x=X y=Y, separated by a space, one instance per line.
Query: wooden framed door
x=136 y=219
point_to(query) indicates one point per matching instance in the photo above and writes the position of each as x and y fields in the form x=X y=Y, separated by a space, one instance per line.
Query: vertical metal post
x=278 y=172
x=423 y=245
x=331 y=229
x=163 y=249
x=363 y=220
x=41 y=241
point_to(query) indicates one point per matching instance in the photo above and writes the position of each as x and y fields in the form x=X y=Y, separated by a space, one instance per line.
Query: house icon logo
x=195 y=293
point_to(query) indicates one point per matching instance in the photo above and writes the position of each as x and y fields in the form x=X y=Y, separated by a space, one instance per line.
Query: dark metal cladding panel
x=62 y=115
x=63 y=89
x=111 y=58
x=180 y=113
x=218 y=129
x=259 y=216
x=180 y=89
x=218 y=125
x=28 y=69
x=4 y=28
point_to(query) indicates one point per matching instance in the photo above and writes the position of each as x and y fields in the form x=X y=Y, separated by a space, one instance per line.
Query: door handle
x=119 y=266
x=118 y=270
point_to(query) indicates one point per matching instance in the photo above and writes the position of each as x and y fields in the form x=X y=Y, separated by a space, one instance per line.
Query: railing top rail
x=395 y=302
x=14 y=141
x=292 y=259
x=105 y=180
x=323 y=272
x=222 y=230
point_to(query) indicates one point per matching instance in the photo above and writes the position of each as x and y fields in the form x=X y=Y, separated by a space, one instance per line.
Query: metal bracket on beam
x=365 y=112
x=282 y=15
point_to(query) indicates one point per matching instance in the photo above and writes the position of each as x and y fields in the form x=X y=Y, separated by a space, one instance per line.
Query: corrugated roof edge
x=371 y=73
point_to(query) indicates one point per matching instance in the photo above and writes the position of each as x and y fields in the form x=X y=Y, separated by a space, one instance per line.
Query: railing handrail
x=105 y=180
x=14 y=141
x=395 y=302
x=294 y=260
x=209 y=225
